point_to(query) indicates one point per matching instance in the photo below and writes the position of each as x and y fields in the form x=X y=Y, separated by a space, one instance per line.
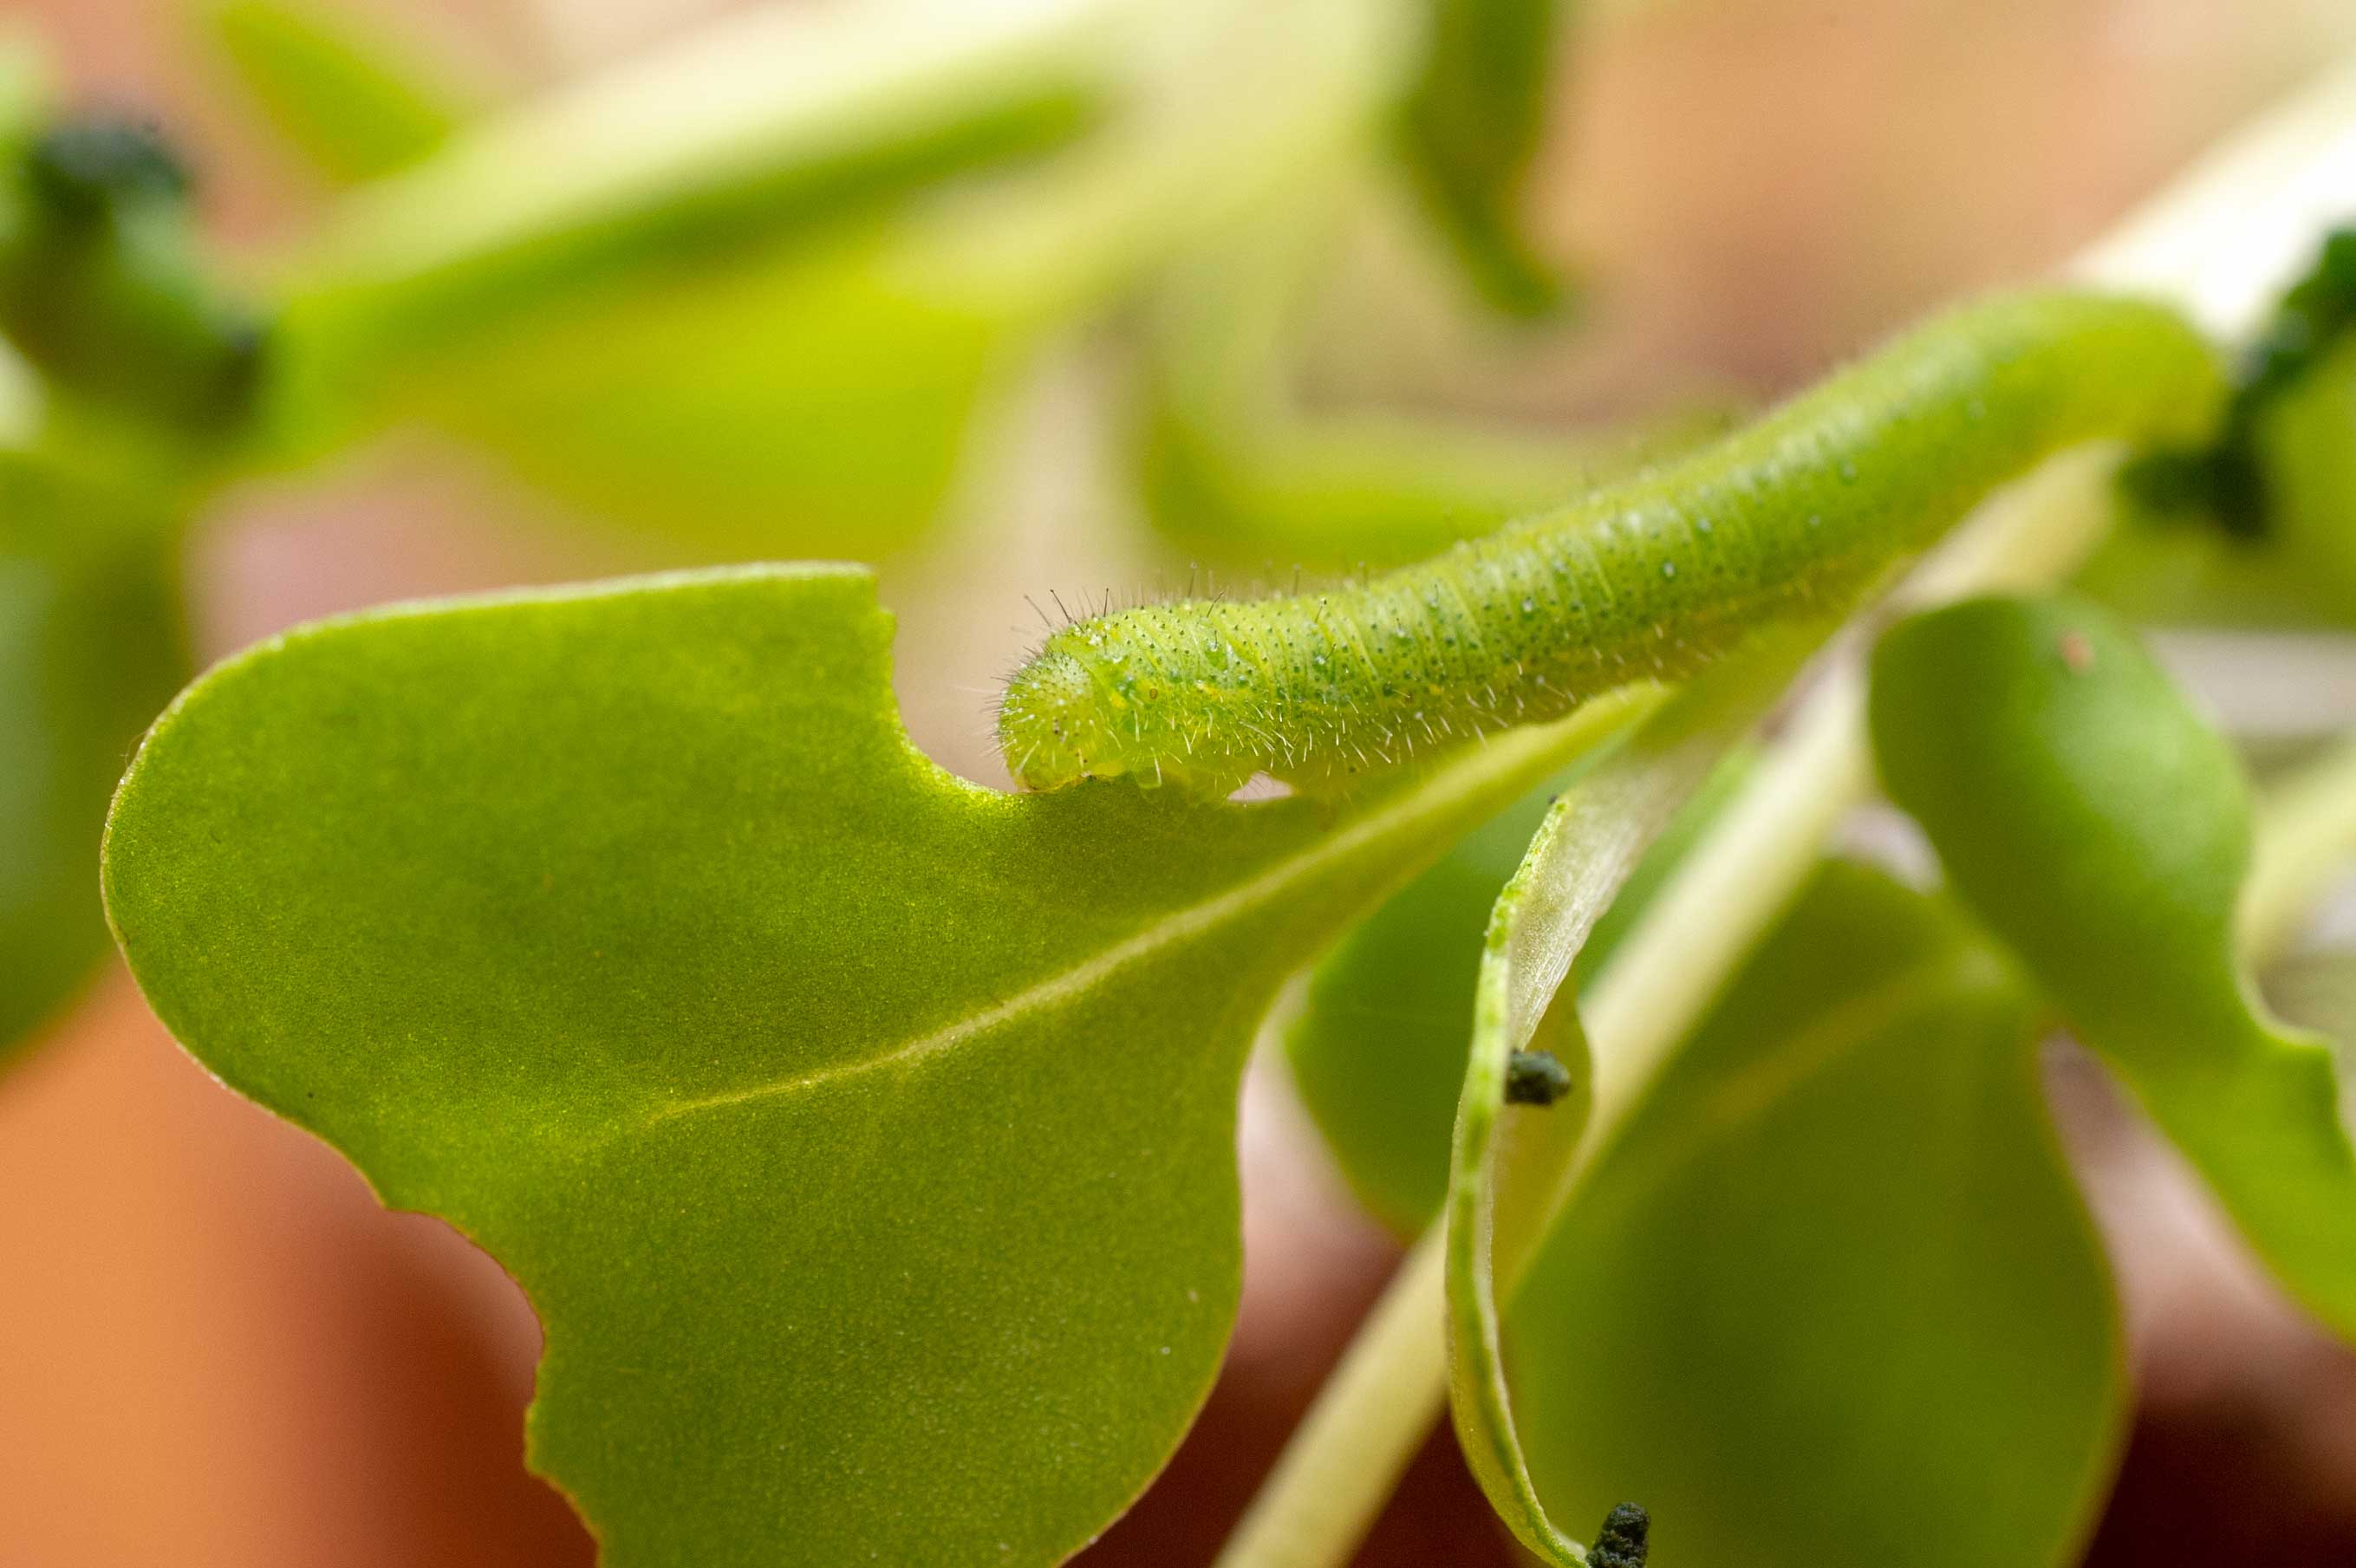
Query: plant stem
x=1371 y=1414
x=2219 y=244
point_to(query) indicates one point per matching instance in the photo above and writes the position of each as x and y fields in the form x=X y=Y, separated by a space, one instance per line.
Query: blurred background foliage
x=1100 y=296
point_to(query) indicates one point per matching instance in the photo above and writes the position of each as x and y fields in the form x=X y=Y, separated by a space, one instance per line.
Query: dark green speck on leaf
x=1536 y=1078
x=1621 y=1543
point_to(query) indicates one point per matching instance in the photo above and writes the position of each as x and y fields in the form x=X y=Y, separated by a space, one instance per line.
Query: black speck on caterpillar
x=1653 y=578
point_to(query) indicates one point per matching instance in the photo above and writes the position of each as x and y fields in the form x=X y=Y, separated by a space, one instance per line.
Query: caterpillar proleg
x=1653 y=578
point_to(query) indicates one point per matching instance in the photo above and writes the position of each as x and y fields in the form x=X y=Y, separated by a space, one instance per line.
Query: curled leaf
x=1506 y=1164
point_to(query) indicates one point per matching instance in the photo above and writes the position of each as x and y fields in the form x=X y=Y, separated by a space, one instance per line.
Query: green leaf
x=687 y=294
x=1377 y=1050
x=1234 y=467
x=766 y=126
x=2103 y=830
x=1507 y=1162
x=775 y=333
x=354 y=103
x=1831 y=1300
x=792 y=402
x=1474 y=122
x=864 y=1137
x=89 y=650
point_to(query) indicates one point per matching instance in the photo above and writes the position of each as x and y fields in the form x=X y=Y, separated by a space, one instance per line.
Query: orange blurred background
x=215 y=1349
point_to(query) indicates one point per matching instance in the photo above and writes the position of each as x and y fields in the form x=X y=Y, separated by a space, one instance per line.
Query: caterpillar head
x=1050 y=723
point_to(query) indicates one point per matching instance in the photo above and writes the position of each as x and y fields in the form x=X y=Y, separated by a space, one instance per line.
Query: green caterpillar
x=1651 y=579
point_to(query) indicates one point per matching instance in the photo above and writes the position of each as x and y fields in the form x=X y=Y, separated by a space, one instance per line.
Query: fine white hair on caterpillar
x=1653 y=578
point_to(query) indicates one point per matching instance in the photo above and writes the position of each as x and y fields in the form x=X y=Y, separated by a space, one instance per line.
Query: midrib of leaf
x=1509 y=754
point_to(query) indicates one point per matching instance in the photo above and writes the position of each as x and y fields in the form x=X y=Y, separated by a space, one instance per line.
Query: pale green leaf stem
x=2305 y=837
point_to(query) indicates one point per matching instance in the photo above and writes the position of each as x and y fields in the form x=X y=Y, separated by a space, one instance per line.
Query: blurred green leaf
x=1474 y=123
x=1232 y=467
x=1351 y=491
x=354 y=102
x=864 y=1137
x=1377 y=1051
x=801 y=403
x=680 y=296
x=1831 y=1300
x=89 y=650
x=778 y=341
x=2103 y=831
x=766 y=126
